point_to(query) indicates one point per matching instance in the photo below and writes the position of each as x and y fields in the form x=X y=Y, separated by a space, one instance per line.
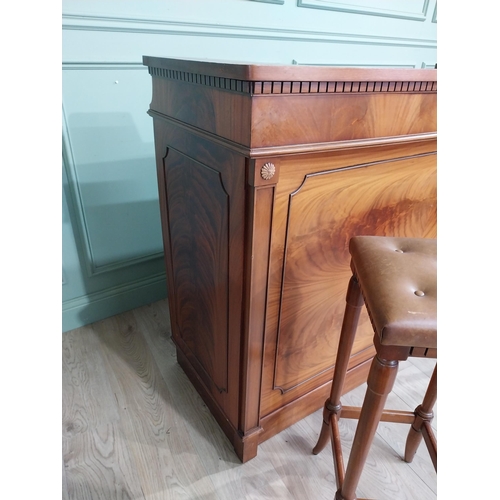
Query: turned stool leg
x=380 y=382
x=423 y=418
x=354 y=303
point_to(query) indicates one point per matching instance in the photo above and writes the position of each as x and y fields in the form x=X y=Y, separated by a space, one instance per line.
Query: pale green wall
x=112 y=250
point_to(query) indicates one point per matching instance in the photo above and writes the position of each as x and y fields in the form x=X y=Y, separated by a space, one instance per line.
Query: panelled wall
x=112 y=247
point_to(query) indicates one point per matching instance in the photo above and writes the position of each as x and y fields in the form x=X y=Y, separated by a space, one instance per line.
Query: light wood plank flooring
x=135 y=428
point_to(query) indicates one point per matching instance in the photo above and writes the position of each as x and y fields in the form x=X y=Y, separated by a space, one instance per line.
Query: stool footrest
x=396 y=416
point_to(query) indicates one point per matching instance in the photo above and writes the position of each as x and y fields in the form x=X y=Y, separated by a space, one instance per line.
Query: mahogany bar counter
x=265 y=172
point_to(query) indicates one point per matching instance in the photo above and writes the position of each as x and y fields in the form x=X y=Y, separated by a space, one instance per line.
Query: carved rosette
x=267 y=171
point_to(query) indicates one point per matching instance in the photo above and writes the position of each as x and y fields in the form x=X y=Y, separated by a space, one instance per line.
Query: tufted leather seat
x=398 y=282
x=395 y=278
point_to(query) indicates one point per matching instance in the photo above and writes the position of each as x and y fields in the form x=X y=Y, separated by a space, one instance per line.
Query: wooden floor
x=134 y=428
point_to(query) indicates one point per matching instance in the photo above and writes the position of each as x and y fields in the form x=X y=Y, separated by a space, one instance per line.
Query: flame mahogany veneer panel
x=202 y=204
x=315 y=220
x=317 y=118
x=264 y=174
x=178 y=100
x=198 y=208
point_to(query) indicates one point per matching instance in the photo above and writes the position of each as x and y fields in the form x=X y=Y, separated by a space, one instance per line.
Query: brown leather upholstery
x=397 y=277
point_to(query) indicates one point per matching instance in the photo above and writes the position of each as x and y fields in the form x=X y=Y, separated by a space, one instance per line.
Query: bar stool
x=396 y=279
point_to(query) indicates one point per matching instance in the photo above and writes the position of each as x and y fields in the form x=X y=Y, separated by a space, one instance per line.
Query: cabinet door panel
x=310 y=261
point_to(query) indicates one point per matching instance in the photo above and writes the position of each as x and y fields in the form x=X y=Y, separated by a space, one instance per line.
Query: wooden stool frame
x=380 y=383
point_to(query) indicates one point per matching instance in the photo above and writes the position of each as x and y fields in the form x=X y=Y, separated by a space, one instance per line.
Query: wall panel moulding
x=182 y=28
x=417 y=8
